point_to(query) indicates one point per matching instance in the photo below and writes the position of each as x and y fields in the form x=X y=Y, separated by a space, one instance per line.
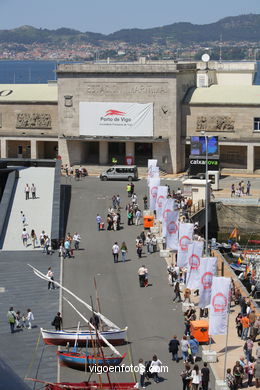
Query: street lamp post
x=206 y=198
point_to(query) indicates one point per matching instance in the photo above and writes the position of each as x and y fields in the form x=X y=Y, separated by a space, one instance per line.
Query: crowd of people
x=241 y=189
x=18 y=321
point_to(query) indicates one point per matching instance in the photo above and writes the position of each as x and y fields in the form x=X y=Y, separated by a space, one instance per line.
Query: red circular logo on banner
x=172 y=227
x=184 y=242
x=219 y=303
x=154 y=191
x=206 y=280
x=194 y=262
x=159 y=200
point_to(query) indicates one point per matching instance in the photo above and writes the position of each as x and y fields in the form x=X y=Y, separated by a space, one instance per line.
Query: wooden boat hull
x=83 y=338
x=90 y=386
x=80 y=361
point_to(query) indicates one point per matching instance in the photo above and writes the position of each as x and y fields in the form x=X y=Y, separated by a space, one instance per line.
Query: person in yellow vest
x=114 y=160
x=129 y=190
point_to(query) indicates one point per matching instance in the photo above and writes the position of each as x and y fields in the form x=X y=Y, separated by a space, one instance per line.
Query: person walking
x=155 y=368
x=25 y=237
x=138 y=217
x=205 y=376
x=196 y=377
x=186 y=377
x=230 y=379
x=177 y=292
x=30 y=318
x=142 y=272
x=33 y=238
x=238 y=373
x=248 y=186
x=76 y=240
x=123 y=250
x=174 y=348
x=184 y=349
x=50 y=275
x=128 y=190
x=57 y=322
x=67 y=248
x=142 y=373
x=115 y=251
x=47 y=243
x=245 y=327
x=11 y=318
x=27 y=192
x=33 y=190
x=99 y=220
x=139 y=248
x=194 y=348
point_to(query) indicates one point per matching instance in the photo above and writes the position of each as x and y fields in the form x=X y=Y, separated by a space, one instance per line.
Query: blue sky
x=107 y=16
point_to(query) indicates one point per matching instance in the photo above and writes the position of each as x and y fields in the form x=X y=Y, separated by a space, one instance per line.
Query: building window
x=256 y=124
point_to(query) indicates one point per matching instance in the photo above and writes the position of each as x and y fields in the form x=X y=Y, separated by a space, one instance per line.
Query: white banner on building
x=162 y=194
x=168 y=207
x=153 y=188
x=195 y=250
x=219 y=305
x=172 y=229
x=185 y=238
x=116 y=119
x=208 y=268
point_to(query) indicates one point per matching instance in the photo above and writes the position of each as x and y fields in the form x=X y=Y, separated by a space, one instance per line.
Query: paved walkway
x=38 y=212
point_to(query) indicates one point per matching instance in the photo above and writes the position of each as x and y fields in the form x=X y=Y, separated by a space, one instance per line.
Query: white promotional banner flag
x=172 y=229
x=162 y=194
x=153 y=188
x=219 y=305
x=152 y=168
x=208 y=268
x=195 y=250
x=168 y=207
x=153 y=172
x=185 y=238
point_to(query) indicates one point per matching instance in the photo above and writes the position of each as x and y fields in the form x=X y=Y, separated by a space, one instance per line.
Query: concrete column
x=3 y=148
x=250 y=158
x=63 y=151
x=103 y=152
x=130 y=149
x=33 y=148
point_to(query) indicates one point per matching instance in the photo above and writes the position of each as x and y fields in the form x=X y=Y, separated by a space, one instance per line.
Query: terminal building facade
x=147 y=109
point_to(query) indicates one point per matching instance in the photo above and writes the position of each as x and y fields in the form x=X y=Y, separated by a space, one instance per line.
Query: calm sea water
x=26 y=72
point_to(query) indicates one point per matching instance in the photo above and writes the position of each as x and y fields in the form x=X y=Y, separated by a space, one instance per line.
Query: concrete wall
x=10 y=111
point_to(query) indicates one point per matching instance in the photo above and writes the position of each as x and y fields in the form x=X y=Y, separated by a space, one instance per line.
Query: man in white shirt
x=115 y=251
x=137 y=217
x=76 y=239
x=27 y=192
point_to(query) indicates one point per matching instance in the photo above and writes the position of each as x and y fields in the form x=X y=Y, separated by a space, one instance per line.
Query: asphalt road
x=151 y=316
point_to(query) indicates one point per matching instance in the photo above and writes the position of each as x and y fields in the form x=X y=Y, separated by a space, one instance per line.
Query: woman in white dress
x=155 y=368
x=196 y=377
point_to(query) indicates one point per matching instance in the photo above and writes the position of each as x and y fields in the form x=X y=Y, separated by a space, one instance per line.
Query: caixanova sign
x=116 y=119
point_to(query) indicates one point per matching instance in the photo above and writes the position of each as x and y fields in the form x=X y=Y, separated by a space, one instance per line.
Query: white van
x=120 y=172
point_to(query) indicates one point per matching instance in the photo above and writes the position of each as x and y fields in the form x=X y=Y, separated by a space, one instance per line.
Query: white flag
x=219 y=305
x=185 y=238
x=152 y=169
x=160 y=201
x=168 y=206
x=153 y=188
x=208 y=268
x=172 y=229
x=195 y=251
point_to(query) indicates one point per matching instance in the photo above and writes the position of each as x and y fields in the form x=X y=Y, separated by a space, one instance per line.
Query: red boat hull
x=90 y=386
x=80 y=343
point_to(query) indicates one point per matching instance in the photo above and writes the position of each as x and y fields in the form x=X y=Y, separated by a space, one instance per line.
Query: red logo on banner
x=159 y=200
x=184 y=242
x=114 y=112
x=154 y=191
x=172 y=227
x=194 y=262
x=219 y=303
x=206 y=280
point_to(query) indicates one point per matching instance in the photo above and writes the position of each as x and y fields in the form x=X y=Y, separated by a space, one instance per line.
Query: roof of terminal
x=224 y=95
x=28 y=93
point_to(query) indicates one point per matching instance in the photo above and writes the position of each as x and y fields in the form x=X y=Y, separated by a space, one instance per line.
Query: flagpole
x=225 y=361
